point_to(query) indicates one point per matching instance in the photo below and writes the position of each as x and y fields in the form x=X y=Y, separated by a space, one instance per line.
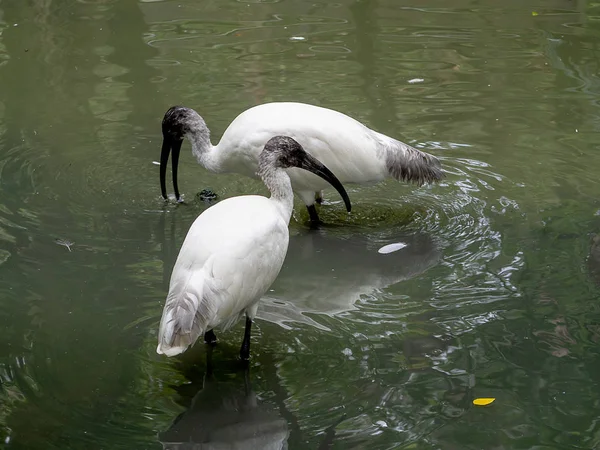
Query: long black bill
x=169 y=146
x=315 y=166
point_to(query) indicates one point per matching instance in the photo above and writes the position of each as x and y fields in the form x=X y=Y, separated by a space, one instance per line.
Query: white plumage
x=233 y=253
x=353 y=152
x=222 y=267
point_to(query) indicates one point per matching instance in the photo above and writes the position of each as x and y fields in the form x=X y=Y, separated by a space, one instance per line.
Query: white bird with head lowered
x=353 y=152
x=233 y=252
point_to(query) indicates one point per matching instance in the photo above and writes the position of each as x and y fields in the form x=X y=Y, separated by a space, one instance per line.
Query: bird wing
x=231 y=255
x=352 y=151
x=246 y=240
x=343 y=144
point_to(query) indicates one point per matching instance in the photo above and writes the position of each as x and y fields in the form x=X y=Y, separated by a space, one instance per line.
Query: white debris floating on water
x=390 y=248
x=416 y=80
x=64 y=243
x=297 y=38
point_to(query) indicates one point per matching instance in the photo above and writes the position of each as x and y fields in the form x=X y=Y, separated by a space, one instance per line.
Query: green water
x=496 y=294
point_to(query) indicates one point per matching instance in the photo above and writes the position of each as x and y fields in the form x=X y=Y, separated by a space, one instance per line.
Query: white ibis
x=353 y=152
x=233 y=252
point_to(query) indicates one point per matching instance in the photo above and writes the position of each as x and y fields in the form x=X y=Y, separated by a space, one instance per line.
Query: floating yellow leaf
x=534 y=13
x=483 y=401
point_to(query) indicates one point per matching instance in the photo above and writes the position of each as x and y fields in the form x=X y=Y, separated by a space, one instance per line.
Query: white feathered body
x=231 y=255
x=353 y=152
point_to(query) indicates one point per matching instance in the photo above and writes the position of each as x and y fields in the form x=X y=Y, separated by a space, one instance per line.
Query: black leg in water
x=312 y=212
x=245 y=350
x=330 y=434
x=247 y=386
x=210 y=337
x=209 y=365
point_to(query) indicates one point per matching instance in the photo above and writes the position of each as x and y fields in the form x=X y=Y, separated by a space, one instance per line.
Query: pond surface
x=496 y=293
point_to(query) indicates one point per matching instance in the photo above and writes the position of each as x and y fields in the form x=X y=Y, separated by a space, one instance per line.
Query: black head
x=284 y=152
x=177 y=122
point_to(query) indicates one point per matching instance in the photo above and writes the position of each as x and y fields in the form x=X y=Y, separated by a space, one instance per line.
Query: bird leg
x=312 y=212
x=209 y=365
x=210 y=337
x=330 y=434
x=247 y=385
x=245 y=350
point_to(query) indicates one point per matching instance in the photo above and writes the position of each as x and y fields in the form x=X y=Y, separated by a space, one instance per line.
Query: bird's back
x=231 y=255
x=240 y=243
x=347 y=147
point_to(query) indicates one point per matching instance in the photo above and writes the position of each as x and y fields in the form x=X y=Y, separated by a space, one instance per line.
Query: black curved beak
x=169 y=146
x=315 y=166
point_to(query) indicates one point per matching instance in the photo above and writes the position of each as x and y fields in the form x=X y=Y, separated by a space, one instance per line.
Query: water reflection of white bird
x=327 y=274
x=233 y=253
x=224 y=416
x=353 y=152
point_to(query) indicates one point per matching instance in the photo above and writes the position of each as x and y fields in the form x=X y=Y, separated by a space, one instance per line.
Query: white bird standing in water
x=233 y=252
x=353 y=152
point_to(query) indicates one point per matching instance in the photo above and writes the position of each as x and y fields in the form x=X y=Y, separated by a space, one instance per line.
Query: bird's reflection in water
x=225 y=414
x=327 y=274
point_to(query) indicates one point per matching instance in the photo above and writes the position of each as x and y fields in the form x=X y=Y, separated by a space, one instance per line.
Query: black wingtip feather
x=410 y=165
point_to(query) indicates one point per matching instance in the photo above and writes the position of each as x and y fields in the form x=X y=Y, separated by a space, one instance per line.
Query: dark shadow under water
x=225 y=412
x=328 y=274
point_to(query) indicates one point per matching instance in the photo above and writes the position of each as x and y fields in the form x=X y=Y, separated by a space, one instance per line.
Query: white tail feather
x=188 y=311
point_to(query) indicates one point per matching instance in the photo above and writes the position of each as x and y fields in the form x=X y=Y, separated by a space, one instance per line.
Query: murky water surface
x=496 y=293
